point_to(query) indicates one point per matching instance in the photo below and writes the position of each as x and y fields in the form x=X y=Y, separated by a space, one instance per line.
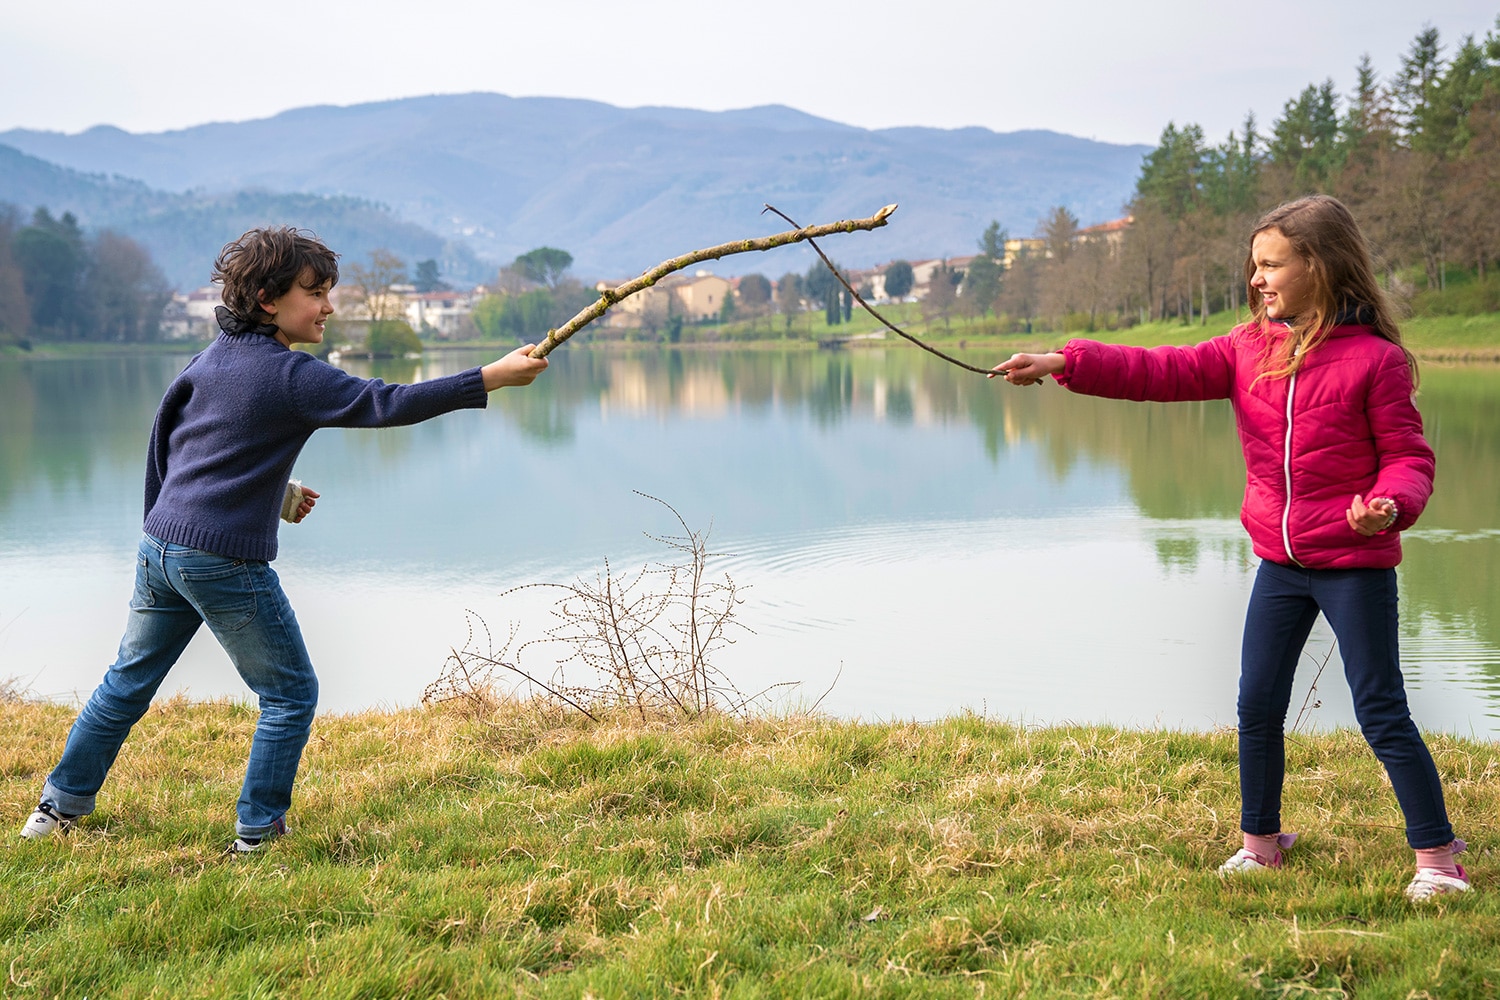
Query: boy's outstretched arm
x=1029 y=369
x=516 y=368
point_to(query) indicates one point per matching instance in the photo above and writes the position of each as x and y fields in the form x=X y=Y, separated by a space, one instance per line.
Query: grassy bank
x=436 y=854
x=1431 y=338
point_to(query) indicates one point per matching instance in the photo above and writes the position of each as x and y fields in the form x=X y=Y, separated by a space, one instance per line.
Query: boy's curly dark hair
x=263 y=264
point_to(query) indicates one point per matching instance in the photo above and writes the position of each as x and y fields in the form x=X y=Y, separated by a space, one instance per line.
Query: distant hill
x=620 y=188
x=184 y=232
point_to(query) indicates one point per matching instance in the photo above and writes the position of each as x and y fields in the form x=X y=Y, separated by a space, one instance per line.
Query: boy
x=226 y=436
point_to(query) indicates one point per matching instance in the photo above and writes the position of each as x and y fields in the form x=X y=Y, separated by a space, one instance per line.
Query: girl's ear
x=269 y=308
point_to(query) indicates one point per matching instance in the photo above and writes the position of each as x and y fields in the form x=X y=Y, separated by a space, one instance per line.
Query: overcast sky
x=1097 y=68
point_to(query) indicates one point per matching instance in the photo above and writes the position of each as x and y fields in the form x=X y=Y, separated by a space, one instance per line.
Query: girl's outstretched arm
x=1029 y=369
x=516 y=368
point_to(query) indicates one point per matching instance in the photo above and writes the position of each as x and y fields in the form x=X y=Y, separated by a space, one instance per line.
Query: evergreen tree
x=981 y=284
x=1304 y=143
x=1231 y=172
x=52 y=257
x=426 y=278
x=899 y=279
x=822 y=287
x=1420 y=69
x=1170 y=173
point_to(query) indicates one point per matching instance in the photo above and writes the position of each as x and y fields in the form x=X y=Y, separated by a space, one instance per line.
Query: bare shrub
x=644 y=639
x=12 y=691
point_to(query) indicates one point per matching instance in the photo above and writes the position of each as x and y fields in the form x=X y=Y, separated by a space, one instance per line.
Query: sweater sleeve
x=1162 y=374
x=325 y=396
x=1407 y=463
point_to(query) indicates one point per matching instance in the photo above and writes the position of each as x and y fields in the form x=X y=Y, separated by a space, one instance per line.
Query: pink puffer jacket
x=1344 y=424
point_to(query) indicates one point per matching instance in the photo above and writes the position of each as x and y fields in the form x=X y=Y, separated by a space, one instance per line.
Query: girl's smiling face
x=1281 y=275
x=299 y=315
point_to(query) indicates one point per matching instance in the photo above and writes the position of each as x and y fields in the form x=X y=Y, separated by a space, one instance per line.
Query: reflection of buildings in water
x=878 y=398
x=634 y=390
x=902 y=400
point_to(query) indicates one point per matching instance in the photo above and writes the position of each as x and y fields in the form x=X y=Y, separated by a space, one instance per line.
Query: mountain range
x=475 y=179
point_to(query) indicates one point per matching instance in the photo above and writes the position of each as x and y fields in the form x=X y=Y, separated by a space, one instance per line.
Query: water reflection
x=891 y=512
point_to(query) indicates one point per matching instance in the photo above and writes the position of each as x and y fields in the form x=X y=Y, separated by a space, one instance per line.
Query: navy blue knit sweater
x=232 y=423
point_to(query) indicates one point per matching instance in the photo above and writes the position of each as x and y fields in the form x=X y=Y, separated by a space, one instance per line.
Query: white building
x=444 y=314
x=191 y=316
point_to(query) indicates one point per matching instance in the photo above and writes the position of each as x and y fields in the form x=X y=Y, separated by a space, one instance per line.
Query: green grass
x=519 y=852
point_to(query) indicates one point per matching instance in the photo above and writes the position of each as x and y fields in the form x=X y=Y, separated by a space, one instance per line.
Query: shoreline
x=1478 y=353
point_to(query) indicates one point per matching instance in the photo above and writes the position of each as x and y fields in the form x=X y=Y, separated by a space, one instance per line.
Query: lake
x=912 y=540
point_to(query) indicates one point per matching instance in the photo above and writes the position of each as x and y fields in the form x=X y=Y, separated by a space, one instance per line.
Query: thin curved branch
x=610 y=296
x=871 y=309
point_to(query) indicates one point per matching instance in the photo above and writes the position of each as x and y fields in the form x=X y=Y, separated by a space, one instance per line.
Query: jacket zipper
x=1286 y=461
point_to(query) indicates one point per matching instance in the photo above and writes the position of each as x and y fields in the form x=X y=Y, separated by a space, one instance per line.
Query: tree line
x=58 y=283
x=1415 y=156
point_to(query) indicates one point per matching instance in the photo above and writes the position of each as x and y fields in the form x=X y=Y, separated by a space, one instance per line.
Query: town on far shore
x=438 y=312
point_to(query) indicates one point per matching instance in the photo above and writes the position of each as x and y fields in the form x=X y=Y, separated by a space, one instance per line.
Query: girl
x=1336 y=467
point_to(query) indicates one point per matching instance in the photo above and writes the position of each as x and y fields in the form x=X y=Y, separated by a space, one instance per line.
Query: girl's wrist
x=1393 y=513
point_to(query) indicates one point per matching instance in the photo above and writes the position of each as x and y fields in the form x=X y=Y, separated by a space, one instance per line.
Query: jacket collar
x=1353 y=313
x=1350 y=314
x=235 y=326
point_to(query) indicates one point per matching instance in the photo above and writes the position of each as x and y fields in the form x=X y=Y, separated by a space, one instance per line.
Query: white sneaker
x=1246 y=860
x=1429 y=883
x=249 y=845
x=46 y=820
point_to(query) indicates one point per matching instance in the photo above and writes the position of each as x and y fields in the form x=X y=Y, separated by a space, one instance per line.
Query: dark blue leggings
x=1360 y=605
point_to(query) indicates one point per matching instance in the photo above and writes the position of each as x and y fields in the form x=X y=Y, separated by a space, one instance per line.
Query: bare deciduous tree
x=370 y=285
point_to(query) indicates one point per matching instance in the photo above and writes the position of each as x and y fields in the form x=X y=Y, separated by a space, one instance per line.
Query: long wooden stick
x=871 y=309
x=610 y=296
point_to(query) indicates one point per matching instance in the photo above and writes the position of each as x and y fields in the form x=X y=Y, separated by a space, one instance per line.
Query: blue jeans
x=176 y=590
x=1360 y=605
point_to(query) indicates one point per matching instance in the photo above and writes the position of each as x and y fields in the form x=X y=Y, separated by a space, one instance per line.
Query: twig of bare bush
x=871 y=309
x=468 y=675
x=1312 y=701
x=11 y=690
x=647 y=638
x=610 y=296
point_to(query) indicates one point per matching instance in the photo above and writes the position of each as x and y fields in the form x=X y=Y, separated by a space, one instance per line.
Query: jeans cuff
x=1258 y=827
x=275 y=828
x=1421 y=840
x=65 y=802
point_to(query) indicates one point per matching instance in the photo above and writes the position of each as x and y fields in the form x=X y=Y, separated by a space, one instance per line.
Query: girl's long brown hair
x=1325 y=236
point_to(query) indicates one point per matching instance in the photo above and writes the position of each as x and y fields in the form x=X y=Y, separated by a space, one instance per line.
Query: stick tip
x=885 y=212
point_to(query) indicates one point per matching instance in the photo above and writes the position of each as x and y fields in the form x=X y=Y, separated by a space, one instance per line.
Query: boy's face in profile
x=300 y=313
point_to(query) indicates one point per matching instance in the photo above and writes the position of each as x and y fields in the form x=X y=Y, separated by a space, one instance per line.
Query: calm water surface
x=934 y=541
